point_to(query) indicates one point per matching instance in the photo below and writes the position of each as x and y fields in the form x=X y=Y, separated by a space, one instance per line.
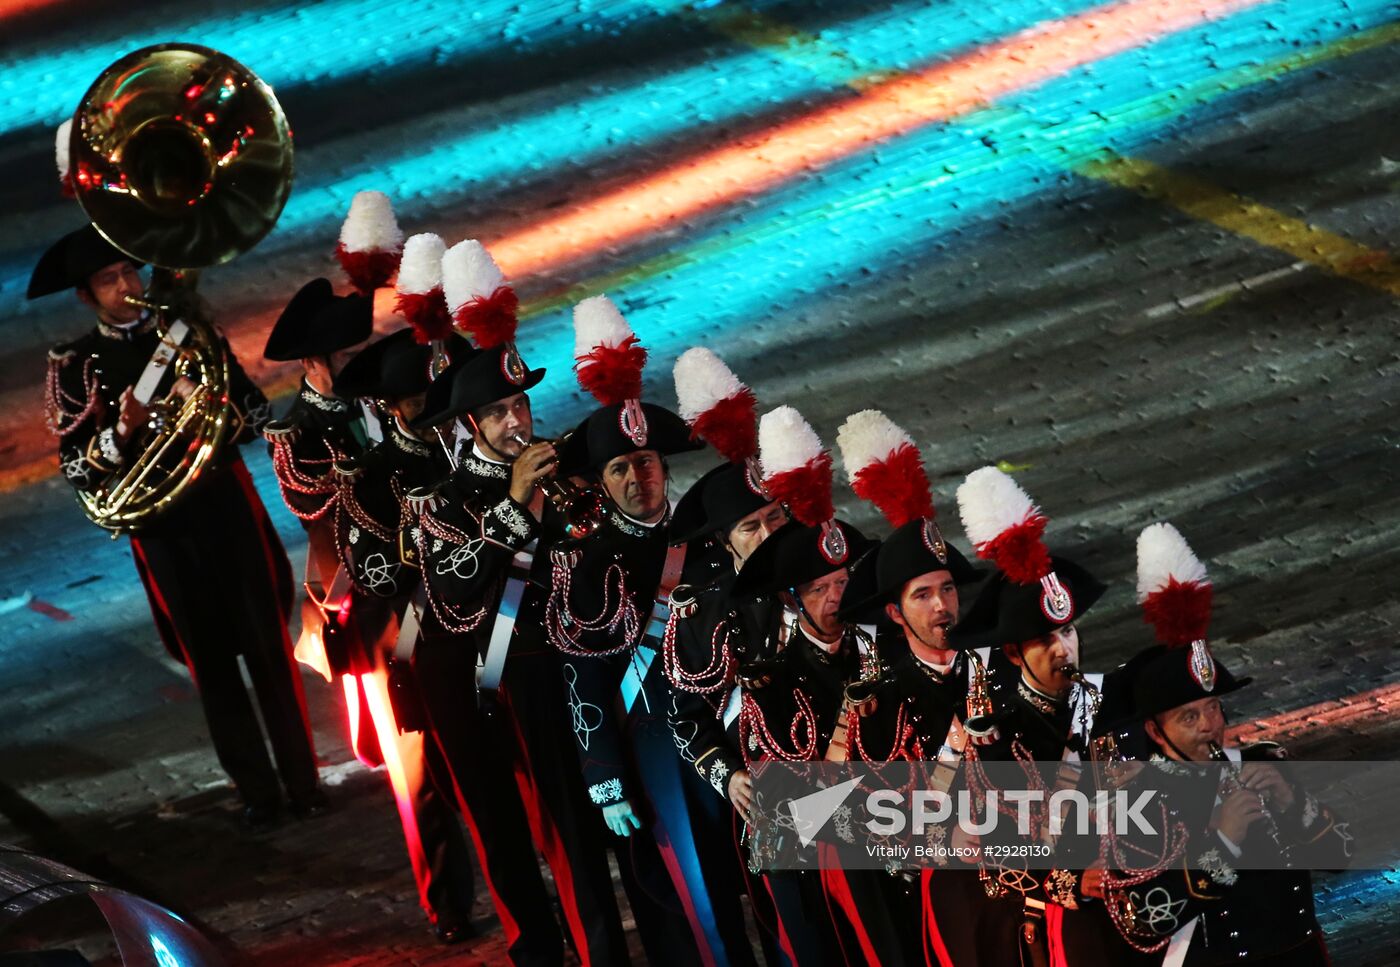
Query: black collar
x=127 y=333
x=405 y=442
x=314 y=397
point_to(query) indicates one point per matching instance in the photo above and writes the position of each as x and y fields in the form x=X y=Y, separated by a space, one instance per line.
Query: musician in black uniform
x=185 y=555
x=710 y=637
x=322 y=332
x=913 y=712
x=799 y=692
x=484 y=536
x=1240 y=891
x=367 y=518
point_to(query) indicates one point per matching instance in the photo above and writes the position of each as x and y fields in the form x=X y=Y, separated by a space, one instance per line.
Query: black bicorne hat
x=717 y=501
x=796 y=554
x=72 y=260
x=611 y=431
x=910 y=551
x=393 y=367
x=317 y=322
x=1009 y=613
x=1171 y=677
x=487 y=376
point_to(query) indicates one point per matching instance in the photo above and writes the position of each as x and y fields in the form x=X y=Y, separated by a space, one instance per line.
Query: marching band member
x=915 y=710
x=1236 y=887
x=204 y=619
x=1028 y=610
x=369 y=517
x=792 y=703
x=709 y=636
x=483 y=538
x=606 y=613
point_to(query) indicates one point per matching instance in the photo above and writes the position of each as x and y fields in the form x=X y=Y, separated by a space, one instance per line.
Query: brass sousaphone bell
x=181 y=157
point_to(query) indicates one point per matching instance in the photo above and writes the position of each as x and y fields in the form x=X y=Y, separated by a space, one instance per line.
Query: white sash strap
x=645 y=652
x=1180 y=943
x=160 y=361
x=492 y=666
x=731 y=709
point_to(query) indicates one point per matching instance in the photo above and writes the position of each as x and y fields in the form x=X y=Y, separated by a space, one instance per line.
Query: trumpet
x=1231 y=783
x=981 y=713
x=584 y=509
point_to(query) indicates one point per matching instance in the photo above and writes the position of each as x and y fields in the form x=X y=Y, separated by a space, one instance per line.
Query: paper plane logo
x=811 y=812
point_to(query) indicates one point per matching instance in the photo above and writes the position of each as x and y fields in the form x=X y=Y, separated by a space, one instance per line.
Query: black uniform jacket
x=1241 y=914
x=705 y=651
x=316 y=432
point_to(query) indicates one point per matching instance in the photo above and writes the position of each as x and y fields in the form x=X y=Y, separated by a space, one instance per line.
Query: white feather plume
x=370 y=225
x=597 y=322
x=786 y=441
x=866 y=438
x=60 y=148
x=469 y=272
x=1162 y=554
x=702 y=380
x=989 y=502
x=420 y=271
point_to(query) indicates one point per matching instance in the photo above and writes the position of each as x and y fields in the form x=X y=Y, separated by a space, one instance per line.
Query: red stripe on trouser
x=784 y=941
x=255 y=507
x=508 y=924
x=546 y=835
x=838 y=889
x=673 y=868
x=148 y=579
x=405 y=772
x=1055 y=934
x=935 y=951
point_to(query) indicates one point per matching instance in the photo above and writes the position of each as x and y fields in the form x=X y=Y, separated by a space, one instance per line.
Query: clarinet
x=1231 y=783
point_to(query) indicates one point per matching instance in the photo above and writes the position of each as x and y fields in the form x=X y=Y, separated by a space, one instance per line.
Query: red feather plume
x=66 y=185
x=490 y=320
x=730 y=427
x=1019 y=551
x=1179 y=612
x=806 y=490
x=613 y=374
x=427 y=313
x=368 y=271
x=897 y=485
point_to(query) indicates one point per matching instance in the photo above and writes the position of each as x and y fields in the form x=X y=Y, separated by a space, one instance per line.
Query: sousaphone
x=181 y=157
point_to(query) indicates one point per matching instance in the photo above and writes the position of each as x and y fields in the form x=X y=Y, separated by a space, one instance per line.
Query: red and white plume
x=608 y=357
x=796 y=470
x=1172 y=586
x=1004 y=525
x=719 y=408
x=60 y=155
x=885 y=467
x=481 y=301
x=370 y=242
x=420 y=298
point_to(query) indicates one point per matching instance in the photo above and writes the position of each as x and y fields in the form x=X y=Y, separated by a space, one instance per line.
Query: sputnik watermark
x=1119 y=811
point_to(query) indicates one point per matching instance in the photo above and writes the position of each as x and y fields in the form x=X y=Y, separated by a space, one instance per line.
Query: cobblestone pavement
x=1162 y=285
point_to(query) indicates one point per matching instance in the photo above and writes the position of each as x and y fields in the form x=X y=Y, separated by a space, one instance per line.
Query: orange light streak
x=376 y=686
x=897 y=106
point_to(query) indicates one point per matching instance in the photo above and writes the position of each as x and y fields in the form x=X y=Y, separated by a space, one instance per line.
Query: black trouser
x=806 y=933
x=567 y=825
x=876 y=915
x=215 y=575
x=962 y=925
x=693 y=833
x=477 y=755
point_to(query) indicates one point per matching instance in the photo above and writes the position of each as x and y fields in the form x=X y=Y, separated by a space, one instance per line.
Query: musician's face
x=1191 y=728
x=408 y=408
x=744 y=537
x=928 y=607
x=637 y=484
x=498 y=423
x=1043 y=660
x=821 y=599
x=107 y=290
